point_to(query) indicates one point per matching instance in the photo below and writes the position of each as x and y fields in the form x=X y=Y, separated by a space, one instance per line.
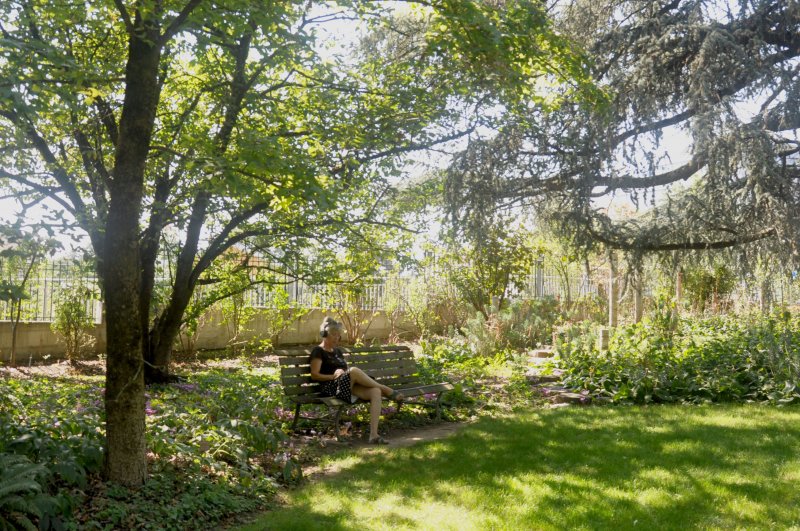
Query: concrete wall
x=36 y=340
x=303 y=331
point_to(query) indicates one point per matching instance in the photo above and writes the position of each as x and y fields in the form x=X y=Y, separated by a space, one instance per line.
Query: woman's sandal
x=378 y=440
x=396 y=396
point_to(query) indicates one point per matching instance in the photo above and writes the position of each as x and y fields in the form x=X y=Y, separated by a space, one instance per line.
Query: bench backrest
x=391 y=365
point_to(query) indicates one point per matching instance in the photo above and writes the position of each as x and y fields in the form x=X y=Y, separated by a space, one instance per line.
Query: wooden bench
x=390 y=365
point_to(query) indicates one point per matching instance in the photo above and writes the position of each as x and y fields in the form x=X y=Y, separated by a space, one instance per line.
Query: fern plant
x=20 y=492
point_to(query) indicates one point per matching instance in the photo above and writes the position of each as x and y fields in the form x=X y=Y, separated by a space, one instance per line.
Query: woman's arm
x=316 y=365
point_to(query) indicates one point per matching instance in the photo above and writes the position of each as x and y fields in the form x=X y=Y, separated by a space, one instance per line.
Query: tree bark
x=165 y=329
x=125 y=458
x=613 y=290
x=162 y=336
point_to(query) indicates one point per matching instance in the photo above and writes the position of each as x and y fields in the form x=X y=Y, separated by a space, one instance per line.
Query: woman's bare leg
x=359 y=377
x=373 y=394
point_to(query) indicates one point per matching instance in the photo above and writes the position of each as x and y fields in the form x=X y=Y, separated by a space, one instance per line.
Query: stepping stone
x=570 y=398
x=552 y=388
x=534 y=378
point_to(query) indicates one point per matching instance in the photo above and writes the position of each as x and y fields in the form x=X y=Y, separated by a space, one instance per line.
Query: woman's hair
x=328 y=325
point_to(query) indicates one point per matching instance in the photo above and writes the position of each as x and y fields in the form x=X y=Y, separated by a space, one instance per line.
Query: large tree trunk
x=125 y=459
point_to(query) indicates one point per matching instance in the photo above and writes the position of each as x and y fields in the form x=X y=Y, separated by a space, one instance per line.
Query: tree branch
x=628 y=182
x=48 y=191
x=126 y=18
x=682 y=246
x=176 y=24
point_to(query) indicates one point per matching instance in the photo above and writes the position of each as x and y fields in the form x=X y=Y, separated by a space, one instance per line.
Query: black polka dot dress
x=331 y=361
x=340 y=388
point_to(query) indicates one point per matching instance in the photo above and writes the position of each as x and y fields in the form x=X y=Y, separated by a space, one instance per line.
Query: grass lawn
x=657 y=467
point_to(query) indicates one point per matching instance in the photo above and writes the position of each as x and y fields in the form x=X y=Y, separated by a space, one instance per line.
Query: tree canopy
x=723 y=75
x=223 y=121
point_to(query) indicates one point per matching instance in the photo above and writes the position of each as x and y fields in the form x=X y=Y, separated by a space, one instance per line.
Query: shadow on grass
x=593 y=468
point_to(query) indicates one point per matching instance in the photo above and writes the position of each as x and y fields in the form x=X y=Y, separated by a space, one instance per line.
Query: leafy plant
x=522 y=325
x=18 y=260
x=73 y=322
x=707 y=284
x=716 y=359
x=23 y=502
x=486 y=271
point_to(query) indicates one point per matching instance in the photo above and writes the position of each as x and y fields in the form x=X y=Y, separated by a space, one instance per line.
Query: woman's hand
x=338 y=372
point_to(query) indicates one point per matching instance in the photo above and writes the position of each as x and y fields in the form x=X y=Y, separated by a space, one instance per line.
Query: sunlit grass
x=670 y=467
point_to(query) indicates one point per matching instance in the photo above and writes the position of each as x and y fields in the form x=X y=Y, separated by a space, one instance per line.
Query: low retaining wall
x=35 y=341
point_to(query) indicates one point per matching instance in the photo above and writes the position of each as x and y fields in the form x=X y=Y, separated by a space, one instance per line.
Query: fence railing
x=44 y=287
x=48 y=281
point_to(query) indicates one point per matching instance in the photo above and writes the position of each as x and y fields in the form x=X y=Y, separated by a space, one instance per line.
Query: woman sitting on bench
x=328 y=366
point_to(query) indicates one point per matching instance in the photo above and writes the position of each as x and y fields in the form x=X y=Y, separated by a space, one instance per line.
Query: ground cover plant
x=723 y=358
x=219 y=443
x=657 y=467
x=216 y=447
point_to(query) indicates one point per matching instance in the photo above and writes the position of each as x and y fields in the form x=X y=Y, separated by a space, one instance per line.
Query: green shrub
x=73 y=322
x=522 y=325
x=714 y=359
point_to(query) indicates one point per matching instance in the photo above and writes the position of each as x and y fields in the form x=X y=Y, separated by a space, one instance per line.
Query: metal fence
x=48 y=281
x=44 y=287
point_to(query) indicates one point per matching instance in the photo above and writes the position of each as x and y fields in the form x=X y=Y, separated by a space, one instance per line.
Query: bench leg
x=336 y=420
x=296 y=416
x=439 y=406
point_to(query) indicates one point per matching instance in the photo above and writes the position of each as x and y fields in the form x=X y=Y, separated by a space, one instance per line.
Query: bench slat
x=298 y=359
x=297 y=380
x=303 y=358
x=377 y=356
x=287 y=371
x=301 y=389
x=382 y=348
x=372 y=368
x=381 y=367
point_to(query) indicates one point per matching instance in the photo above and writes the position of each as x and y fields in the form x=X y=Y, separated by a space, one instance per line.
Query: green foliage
x=432 y=304
x=714 y=359
x=216 y=443
x=347 y=300
x=482 y=383
x=20 y=484
x=276 y=316
x=524 y=324
x=21 y=253
x=703 y=285
x=73 y=322
x=487 y=270
x=236 y=313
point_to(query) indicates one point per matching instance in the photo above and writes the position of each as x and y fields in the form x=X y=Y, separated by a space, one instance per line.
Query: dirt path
x=397 y=438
